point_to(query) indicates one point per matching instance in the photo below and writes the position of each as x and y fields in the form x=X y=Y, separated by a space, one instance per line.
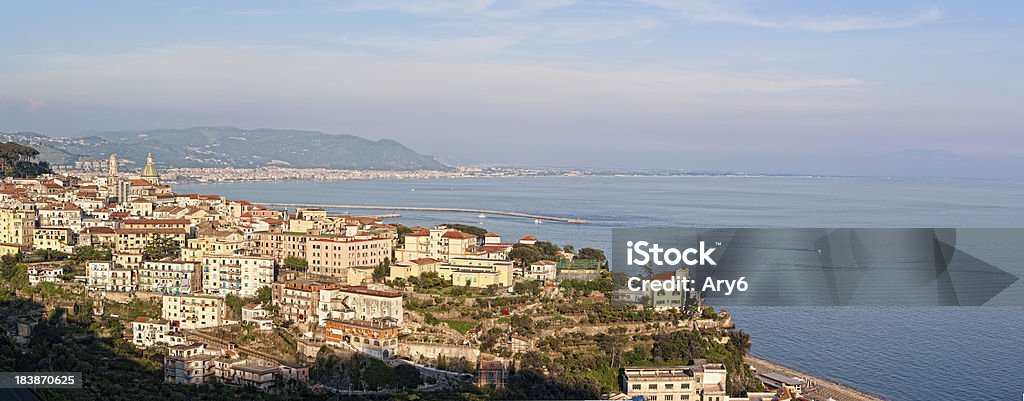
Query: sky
x=877 y=88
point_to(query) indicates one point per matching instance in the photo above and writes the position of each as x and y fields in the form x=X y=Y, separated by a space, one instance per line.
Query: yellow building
x=477 y=272
x=53 y=239
x=16 y=227
x=133 y=240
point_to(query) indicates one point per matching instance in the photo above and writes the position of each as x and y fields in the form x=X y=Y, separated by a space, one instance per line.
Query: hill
x=230 y=147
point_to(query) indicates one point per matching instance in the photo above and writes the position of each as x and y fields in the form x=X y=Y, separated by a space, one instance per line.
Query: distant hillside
x=230 y=147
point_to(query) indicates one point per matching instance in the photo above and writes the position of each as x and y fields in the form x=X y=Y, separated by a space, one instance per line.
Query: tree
x=408 y=376
x=161 y=247
x=235 y=303
x=296 y=263
x=382 y=271
x=265 y=296
x=17 y=161
x=88 y=252
x=468 y=229
x=591 y=254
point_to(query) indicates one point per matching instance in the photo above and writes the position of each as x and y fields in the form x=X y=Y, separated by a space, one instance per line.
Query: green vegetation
x=382 y=270
x=161 y=247
x=461 y=326
x=296 y=263
x=468 y=229
x=527 y=254
x=18 y=161
x=591 y=254
x=87 y=253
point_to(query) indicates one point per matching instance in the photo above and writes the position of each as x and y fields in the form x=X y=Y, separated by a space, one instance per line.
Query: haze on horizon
x=850 y=88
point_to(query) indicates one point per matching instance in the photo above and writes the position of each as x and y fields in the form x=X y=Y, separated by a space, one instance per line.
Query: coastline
x=824 y=388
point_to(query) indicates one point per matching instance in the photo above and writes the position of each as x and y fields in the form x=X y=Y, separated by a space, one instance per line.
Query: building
x=299 y=300
x=334 y=256
x=257 y=316
x=193 y=311
x=170 y=277
x=53 y=239
x=238 y=275
x=359 y=302
x=134 y=240
x=698 y=382
x=780 y=381
x=101 y=275
x=149 y=172
x=16 y=227
x=413 y=268
x=378 y=337
x=544 y=270
x=44 y=274
x=148 y=332
x=666 y=300
x=477 y=272
x=492 y=373
x=440 y=243
x=189 y=364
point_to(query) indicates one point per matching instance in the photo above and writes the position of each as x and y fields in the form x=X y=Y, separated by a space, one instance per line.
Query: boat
x=537 y=221
x=482 y=216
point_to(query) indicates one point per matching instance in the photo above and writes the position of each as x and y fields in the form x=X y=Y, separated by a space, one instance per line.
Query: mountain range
x=229 y=147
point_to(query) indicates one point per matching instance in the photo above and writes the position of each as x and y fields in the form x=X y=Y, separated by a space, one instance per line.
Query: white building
x=170 y=277
x=239 y=275
x=698 y=382
x=148 y=332
x=359 y=302
x=541 y=270
x=44 y=274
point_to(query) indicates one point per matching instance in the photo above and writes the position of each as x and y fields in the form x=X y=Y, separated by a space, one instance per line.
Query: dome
x=149 y=171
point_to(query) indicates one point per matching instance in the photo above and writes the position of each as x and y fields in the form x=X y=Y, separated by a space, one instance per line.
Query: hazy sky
x=852 y=87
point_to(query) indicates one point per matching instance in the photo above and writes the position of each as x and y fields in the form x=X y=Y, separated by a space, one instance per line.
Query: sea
x=899 y=353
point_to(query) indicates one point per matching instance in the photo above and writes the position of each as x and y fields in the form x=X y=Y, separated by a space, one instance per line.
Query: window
x=670 y=386
x=668 y=397
x=636 y=387
x=652 y=386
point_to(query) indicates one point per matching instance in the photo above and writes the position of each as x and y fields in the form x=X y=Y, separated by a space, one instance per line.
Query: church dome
x=149 y=171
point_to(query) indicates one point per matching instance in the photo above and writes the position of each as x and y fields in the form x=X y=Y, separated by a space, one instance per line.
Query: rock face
x=230 y=147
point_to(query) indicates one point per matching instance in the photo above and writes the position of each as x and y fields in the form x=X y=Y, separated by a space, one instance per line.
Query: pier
x=430 y=209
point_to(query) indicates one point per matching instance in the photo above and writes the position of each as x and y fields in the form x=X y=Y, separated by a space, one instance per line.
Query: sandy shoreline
x=824 y=388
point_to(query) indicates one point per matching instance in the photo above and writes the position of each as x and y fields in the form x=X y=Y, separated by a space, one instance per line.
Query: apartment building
x=440 y=243
x=359 y=302
x=378 y=337
x=170 y=277
x=103 y=275
x=189 y=364
x=147 y=332
x=239 y=275
x=134 y=240
x=194 y=311
x=16 y=227
x=59 y=239
x=299 y=300
x=334 y=256
x=701 y=381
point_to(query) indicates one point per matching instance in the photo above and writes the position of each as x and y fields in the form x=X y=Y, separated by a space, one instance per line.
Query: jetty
x=430 y=209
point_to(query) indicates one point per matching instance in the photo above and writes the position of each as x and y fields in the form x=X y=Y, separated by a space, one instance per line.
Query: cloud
x=474 y=9
x=717 y=12
x=35 y=105
x=221 y=76
x=255 y=13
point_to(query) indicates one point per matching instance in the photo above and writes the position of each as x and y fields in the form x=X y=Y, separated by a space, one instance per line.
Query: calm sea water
x=899 y=353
